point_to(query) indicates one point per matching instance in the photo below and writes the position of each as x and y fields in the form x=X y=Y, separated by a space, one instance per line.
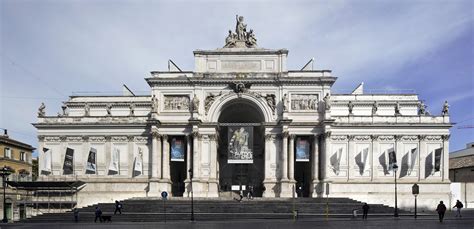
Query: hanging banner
x=114 y=160
x=138 y=162
x=413 y=153
x=365 y=154
x=240 y=147
x=302 y=150
x=91 y=164
x=177 y=149
x=46 y=162
x=437 y=161
x=392 y=158
x=68 y=167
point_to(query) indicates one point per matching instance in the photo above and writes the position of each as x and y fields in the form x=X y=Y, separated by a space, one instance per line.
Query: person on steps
x=118 y=207
x=441 y=209
x=458 y=207
x=365 y=210
x=98 y=214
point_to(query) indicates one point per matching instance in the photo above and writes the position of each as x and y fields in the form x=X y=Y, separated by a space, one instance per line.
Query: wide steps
x=154 y=209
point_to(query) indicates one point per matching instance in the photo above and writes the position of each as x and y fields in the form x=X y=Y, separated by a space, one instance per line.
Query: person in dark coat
x=458 y=207
x=441 y=209
x=365 y=210
x=98 y=214
x=118 y=207
x=76 y=215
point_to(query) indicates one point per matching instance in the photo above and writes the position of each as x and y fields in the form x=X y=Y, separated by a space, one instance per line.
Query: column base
x=288 y=188
x=159 y=185
x=202 y=188
x=272 y=189
x=317 y=188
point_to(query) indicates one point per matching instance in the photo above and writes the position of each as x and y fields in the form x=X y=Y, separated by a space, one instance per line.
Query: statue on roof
x=445 y=110
x=241 y=38
x=41 y=112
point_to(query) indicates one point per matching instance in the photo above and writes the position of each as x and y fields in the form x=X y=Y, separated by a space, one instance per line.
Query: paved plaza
x=429 y=222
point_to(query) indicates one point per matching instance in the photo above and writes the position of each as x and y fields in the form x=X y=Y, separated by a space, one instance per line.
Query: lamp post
x=415 y=190
x=192 y=195
x=395 y=168
x=4 y=172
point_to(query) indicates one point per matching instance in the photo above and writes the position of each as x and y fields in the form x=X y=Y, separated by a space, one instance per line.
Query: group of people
x=441 y=209
x=98 y=213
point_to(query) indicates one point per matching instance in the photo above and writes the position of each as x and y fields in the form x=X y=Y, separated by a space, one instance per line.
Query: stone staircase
x=153 y=209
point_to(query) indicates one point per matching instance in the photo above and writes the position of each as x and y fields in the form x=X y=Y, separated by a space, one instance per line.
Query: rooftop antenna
x=308 y=66
x=127 y=92
x=172 y=67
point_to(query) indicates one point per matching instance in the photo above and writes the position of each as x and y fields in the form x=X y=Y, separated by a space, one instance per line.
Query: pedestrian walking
x=365 y=210
x=458 y=207
x=76 y=214
x=118 y=207
x=250 y=193
x=441 y=209
x=98 y=214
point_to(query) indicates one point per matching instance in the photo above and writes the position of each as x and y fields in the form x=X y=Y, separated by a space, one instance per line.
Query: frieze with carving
x=52 y=139
x=176 y=102
x=140 y=139
x=304 y=102
x=410 y=138
x=362 y=138
x=96 y=139
x=270 y=98
x=119 y=138
x=386 y=138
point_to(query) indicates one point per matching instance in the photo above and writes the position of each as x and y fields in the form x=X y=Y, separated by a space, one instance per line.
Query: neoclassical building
x=242 y=120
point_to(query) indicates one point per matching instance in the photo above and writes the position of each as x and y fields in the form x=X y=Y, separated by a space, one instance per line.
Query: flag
x=91 y=164
x=68 y=167
x=392 y=158
x=437 y=161
x=114 y=160
x=138 y=162
x=46 y=160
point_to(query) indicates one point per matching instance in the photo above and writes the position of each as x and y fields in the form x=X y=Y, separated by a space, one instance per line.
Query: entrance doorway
x=234 y=174
x=178 y=160
x=302 y=165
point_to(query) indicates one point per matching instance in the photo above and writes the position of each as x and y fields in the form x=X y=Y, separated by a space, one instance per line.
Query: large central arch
x=238 y=113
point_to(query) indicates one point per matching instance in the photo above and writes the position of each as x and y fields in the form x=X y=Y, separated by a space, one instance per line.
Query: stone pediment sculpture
x=41 y=110
x=445 y=110
x=240 y=87
x=241 y=38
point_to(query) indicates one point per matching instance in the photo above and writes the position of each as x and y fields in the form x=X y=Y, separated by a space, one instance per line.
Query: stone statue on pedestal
x=154 y=104
x=422 y=108
x=195 y=103
x=445 y=110
x=41 y=110
x=241 y=38
x=327 y=101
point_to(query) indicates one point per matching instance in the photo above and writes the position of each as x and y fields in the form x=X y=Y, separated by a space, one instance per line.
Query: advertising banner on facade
x=392 y=158
x=138 y=162
x=114 y=162
x=68 y=167
x=91 y=165
x=46 y=163
x=177 y=149
x=302 y=150
x=437 y=159
x=240 y=148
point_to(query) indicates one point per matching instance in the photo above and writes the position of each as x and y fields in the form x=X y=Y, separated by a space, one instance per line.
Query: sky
x=52 y=49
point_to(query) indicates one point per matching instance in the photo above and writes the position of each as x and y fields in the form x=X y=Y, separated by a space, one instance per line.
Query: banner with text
x=91 y=165
x=46 y=162
x=240 y=148
x=177 y=149
x=68 y=167
x=302 y=150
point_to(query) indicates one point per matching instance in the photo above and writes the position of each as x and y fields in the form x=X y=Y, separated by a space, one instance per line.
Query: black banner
x=177 y=149
x=437 y=161
x=240 y=149
x=68 y=167
x=91 y=165
x=392 y=158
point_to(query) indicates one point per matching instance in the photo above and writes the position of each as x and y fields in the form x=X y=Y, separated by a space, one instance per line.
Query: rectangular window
x=22 y=156
x=7 y=153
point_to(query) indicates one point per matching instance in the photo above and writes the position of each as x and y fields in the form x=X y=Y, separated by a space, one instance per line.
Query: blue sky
x=52 y=48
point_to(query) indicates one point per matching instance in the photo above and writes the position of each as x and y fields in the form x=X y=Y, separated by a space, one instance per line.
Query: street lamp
x=4 y=172
x=192 y=195
x=415 y=190
x=395 y=168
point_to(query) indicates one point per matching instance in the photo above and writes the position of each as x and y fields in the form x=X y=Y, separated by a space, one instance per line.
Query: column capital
x=155 y=134
x=85 y=138
x=196 y=134
x=292 y=136
x=374 y=137
x=350 y=137
x=446 y=137
x=421 y=137
x=327 y=134
x=285 y=134
x=398 y=137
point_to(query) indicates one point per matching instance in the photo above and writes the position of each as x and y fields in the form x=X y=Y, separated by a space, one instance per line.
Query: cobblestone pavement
x=385 y=223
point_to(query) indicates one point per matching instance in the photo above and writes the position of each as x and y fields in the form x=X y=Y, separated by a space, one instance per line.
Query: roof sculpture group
x=241 y=38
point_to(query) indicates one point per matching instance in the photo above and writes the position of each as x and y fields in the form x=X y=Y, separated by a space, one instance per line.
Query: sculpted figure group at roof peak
x=240 y=38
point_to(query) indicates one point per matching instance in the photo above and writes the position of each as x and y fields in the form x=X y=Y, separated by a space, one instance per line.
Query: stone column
x=291 y=159
x=398 y=147
x=284 y=167
x=166 y=158
x=421 y=153
x=188 y=155
x=374 y=149
x=350 y=151
x=323 y=157
x=156 y=155
x=445 y=158
x=195 y=155
x=213 y=190
x=315 y=165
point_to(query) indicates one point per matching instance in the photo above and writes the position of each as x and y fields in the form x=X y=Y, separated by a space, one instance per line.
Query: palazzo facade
x=292 y=133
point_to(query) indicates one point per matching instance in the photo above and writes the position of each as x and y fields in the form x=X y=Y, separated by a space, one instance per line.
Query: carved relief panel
x=304 y=102
x=176 y=103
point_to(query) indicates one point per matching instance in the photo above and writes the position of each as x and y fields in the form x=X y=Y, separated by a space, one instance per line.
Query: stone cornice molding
x=339 y=137
x=329 y=80
x=433 y=138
